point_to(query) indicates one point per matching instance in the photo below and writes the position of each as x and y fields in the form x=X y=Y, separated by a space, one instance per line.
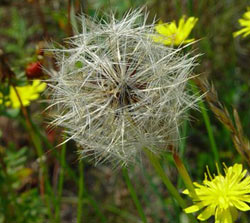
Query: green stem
x=184 y=174
x=182 y=146
x=171 y=188
x=208 y=126
x=183 y=138
x=35 y=140
x=178 y=7
x=97 y=209
x=61 y=181
x=52 y=149
x=122 y=213
x=163 y=201
x=134 y=195
x=40 y=153
x=71 y=173
x=80 y=191
x=190 y=7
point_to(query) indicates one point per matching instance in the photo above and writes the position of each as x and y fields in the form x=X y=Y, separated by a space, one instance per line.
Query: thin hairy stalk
x=170 y=187
x=134 y=195
x=208 y=127
x=241 y=143
x=80 y=191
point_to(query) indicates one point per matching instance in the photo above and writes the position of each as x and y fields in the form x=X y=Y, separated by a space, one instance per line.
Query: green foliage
x=18 y=33
x=120 y=7
x=18 y=204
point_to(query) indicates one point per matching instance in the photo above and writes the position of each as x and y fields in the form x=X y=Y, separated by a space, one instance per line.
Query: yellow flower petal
x=193 y=208
x=241 y=205
x=26 y=93
x=223 y=216
x=222 y=196
x=170 y=34
x=207 y=213
x=245 y=23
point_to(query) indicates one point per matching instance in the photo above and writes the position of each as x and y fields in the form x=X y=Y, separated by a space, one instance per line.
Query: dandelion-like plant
x=171 y=34
x=245 y=23
x=116 y=91
x=221 y=196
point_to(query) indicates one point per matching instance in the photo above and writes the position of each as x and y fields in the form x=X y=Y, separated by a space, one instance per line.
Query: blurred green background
x=27 y=194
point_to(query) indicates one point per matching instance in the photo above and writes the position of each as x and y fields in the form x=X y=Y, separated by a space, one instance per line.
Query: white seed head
x=116 y=91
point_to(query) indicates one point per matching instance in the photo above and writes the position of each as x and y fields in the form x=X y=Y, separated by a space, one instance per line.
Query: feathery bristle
x=117 y=91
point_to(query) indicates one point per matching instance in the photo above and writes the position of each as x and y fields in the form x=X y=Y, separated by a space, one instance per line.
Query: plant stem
x=182 y=146
x=171 y=188
x=72 y=174
x=134 y=195
x=178 y=7
x=208 y=126
x=156 y=191
x=33 y=137
x=122 y=213
x=38 y=146
x=61 y=181
x=68 y=169
x=190 y=7
x=183 y=138
x=184 y=174
x=97 y=209
x=80 y=191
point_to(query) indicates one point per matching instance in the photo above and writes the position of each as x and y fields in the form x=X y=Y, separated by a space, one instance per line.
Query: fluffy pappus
x=116 y=91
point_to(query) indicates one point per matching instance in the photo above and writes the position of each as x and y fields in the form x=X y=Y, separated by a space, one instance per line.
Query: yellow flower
x=221 y=196
x=170 y=34
x=27 y=93
x=244 y=22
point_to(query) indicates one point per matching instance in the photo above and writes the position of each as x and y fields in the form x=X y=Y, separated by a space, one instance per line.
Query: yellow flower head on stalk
x=171 y=34
x=221 y=196
x=245 y=23
x=27 y=94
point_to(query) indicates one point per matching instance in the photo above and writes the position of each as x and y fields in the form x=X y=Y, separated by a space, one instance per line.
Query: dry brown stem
x=241 y=143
